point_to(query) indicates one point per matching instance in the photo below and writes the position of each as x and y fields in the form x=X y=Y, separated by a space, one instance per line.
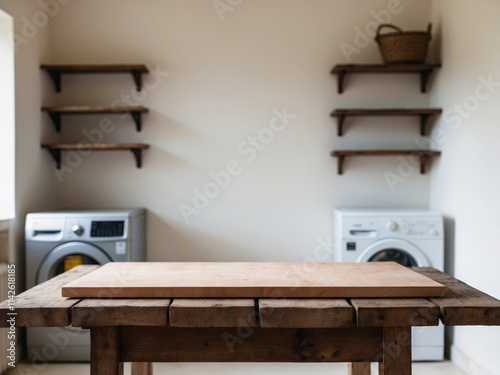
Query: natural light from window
x=7 y=122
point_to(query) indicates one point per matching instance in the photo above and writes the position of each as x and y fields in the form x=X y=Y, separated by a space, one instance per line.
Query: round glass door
x=394 y=255
x=394 y=250
x=67 y=255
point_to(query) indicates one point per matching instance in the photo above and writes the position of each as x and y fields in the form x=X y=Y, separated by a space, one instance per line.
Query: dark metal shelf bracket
x=56 y=119
x=137 y=119
x=56 y=155
x=137 y=76
x=138 y=156
x=56 y=79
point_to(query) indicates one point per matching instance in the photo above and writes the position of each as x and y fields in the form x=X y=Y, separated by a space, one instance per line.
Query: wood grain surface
x=463 y=305
x=252 y=280
x=43 y=305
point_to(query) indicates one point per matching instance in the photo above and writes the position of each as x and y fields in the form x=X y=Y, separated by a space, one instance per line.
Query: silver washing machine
x=56 y=241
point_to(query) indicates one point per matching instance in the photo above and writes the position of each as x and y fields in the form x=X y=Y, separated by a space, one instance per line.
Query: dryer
x=56 y=241
x=409 y=237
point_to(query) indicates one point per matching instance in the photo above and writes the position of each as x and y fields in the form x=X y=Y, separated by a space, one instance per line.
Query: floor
x=437 y=368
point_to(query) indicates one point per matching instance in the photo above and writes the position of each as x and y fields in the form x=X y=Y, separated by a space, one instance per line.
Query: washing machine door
x=395 y=250
x=53 y=264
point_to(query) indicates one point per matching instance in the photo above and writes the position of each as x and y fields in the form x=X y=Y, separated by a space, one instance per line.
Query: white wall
x=466 y=180
x=226 y=79
x=34 y=183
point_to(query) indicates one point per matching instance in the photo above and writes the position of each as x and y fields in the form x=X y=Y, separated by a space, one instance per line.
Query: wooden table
x=358 y=331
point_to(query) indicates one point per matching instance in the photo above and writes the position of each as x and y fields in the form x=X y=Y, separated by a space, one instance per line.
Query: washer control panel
x=107 y=228
x=411 y=227
x=421 y=227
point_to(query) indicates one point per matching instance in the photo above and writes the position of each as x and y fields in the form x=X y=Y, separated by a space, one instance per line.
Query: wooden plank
x=385 y=112
x=463 y=304
x=302 y=313
x=141 y=368
x=120 y=312
x=43 y=305
x=212 y=313
x=384 y=152
x=252 y=280
x=397 y=351
x=93 y=109
x=383 y=68
x=104 y=351
x=95 y=146
x=359 y=368
x=158 y=344
x=95 y=68
x=395 y=312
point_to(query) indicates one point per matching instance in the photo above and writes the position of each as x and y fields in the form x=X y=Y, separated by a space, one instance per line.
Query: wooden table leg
x=105 y=351
x=396 y=358
x=141 y=368
x=359 y=368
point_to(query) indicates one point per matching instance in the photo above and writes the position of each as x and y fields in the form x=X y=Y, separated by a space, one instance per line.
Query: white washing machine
x=409 y=237
x=56 y=241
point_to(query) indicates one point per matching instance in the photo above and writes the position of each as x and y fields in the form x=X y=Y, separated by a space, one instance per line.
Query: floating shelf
x=56 y=149
x=425 y=71
x=55 y=72
x=424 y=114
x=56 y=112
x=425 y=156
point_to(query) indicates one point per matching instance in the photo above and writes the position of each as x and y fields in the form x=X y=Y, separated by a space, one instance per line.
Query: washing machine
x=56 y=241
x=408 y=237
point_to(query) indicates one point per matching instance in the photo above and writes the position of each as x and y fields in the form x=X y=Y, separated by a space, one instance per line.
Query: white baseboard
x=466 y=363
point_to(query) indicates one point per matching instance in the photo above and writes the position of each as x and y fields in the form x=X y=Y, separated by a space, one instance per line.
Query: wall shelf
x=56 y=112
x=424 y=70
x=55 y=72
x=425 y=156
x=56 y=149
x=424 y=114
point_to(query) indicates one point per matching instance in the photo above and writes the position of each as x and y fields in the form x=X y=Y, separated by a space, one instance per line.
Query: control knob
x=391 y=225
x=433 y=232
x=77 y=229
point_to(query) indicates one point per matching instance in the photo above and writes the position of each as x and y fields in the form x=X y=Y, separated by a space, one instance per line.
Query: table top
x=43 y=306
x=252 y=280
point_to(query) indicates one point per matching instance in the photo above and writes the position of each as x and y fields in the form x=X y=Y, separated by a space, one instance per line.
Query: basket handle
x=429 y=29
x=381 y=26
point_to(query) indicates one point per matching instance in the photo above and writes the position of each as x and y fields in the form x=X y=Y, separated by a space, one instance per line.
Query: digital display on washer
x=107 y=228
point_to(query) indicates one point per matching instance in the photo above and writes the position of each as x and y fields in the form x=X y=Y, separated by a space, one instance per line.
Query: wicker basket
x=403 y=47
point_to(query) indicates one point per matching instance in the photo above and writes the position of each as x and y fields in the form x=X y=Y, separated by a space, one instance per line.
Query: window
x=7 y=118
